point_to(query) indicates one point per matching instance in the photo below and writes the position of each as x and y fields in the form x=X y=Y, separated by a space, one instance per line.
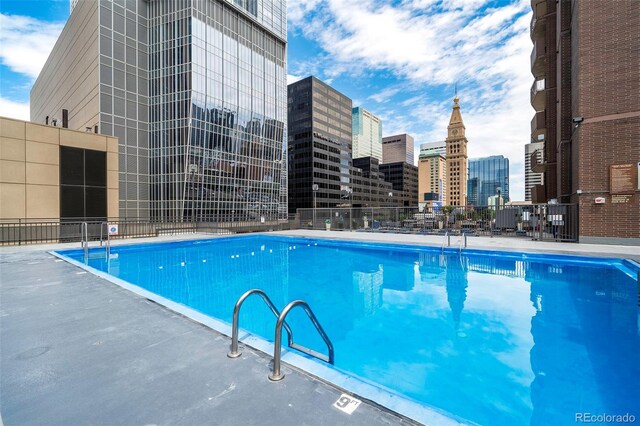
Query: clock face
x=454 y=131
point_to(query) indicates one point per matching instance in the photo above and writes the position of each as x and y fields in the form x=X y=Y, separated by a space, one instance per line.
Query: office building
x=195 y=92
x=404 y=180
x=586 y=67
x=488 y=177
x=456 y=158
x=532 y=179
x=319 y=148
x=432 y=180
x=370 y=187
x=397 y=148
x=439 y=148
x=367 y=134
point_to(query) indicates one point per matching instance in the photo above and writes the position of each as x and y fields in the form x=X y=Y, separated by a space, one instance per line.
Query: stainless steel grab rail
x=234 y=352
x=84 y=238
x=277 y=375
x=446 y=235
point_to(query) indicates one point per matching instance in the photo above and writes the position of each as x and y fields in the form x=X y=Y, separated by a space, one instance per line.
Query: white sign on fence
x=113 y=229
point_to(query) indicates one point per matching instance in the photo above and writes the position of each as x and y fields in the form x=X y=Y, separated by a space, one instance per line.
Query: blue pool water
x=496 y=339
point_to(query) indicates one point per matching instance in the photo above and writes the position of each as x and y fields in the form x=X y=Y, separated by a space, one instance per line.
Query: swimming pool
x=494 y=338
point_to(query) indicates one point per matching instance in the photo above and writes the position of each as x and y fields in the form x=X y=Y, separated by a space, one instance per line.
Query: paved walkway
x=481 y=243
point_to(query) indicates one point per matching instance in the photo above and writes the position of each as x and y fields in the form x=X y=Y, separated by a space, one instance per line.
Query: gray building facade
x=398 y=148
x=195 y=92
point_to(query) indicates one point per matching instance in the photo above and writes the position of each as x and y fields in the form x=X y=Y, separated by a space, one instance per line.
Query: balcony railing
x=538 y=19
x=538 y=56
x=538 y=94
x=538 y=125
x=537 y=166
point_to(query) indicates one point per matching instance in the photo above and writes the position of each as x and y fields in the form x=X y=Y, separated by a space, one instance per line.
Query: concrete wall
x=70 y=77
x=30 y=168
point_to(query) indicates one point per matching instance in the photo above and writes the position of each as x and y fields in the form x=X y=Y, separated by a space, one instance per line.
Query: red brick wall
x=603 y=144
x=606 y=83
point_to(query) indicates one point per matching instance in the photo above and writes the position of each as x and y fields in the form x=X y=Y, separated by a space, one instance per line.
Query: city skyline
x=484 y=46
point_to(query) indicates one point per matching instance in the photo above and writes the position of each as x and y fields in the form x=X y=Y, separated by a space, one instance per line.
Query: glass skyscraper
x=218 y=104
x=487 y=177
x=367 y=134
x=195 y=91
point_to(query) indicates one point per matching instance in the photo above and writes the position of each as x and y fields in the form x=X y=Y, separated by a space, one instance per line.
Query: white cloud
x=428 y=44
x=293 y=78
x=385 y=94
x=25 y=43
x=11 y=109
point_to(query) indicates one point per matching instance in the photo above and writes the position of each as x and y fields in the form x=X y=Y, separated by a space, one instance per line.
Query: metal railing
x=84 y=238
x=234 y=352
x=277 y=374
x=548 y=222
x=39 y=231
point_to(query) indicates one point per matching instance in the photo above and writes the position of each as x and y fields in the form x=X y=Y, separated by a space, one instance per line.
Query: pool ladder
x=447 y=239
x=84 y=239
x=277 y=374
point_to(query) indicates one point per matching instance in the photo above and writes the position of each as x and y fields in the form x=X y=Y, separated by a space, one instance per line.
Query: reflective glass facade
x=195 y=92
x=217 y=110
x=367 y=134
x=486 y=176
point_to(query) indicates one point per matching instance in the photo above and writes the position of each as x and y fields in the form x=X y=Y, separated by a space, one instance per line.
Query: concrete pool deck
x=76 y=348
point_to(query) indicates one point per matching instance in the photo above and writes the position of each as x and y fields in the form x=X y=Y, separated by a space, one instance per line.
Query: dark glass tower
x=319 y=148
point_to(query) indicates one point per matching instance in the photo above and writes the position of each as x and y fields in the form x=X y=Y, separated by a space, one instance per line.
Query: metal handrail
x=234 y=352
x=107 y=247
x=446 y=235
x=277 y=375
x=84 y=238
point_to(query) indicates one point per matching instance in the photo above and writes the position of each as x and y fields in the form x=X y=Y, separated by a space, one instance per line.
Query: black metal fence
x=38 y=231
x=545 y=222
x=549 y=222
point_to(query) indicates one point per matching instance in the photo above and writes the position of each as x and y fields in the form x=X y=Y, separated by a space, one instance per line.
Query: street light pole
x=314 y=188
x=350 y=206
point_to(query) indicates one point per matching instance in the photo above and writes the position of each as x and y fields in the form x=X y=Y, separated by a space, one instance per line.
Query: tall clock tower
x=457 y=165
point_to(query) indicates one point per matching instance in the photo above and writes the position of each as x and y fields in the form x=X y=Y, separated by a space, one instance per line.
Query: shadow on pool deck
x=77 y=349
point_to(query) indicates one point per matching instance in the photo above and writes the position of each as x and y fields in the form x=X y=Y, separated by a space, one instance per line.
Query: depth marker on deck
x=347 y=404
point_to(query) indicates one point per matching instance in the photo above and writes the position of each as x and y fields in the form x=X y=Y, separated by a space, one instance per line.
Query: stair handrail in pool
x=277 y=375
x=446 y=235
x=234 y=352
x=84 y=238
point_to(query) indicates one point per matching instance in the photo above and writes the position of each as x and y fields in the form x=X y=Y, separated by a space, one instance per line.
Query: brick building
x=586 y=65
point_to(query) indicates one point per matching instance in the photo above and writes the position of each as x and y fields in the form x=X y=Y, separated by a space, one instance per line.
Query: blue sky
x=400 y=59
